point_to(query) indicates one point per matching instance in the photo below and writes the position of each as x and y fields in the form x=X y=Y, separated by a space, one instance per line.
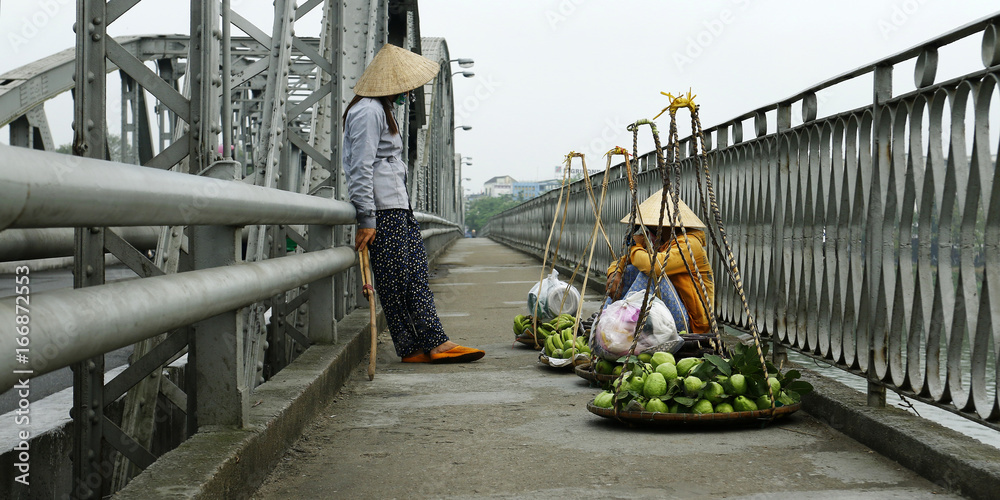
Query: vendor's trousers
x=399 y=264
x=634 y=280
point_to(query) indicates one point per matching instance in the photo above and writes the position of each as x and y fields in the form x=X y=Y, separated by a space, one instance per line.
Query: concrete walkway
x=509 y=427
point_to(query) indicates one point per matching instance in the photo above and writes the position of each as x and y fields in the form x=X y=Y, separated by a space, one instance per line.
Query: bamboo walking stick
x=369 y=292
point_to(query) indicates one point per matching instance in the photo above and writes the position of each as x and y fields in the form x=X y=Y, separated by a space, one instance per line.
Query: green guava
x=775 y=385
x=685 y=365
x=662 y=357
x=763 y=402
x=668 y=370
x=654 y=386
x=636 y=383
x=714 y=392
x=656 y=405
x=738 y=383
x=604 y=367
x=743 y=403
x=604 y=400
x=692 y=385
x=703 y=406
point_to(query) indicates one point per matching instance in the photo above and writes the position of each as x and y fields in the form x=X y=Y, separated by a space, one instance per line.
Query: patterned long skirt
x=399 y=265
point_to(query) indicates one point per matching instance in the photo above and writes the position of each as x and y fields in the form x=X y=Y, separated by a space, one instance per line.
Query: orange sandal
x=417 y=357
x=457 y=354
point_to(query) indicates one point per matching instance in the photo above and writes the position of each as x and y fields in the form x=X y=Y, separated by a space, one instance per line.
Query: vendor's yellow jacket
x=671 y=261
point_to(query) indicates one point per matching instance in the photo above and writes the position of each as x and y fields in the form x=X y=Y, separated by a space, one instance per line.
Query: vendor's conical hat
x=393 y=71
x=649 y=212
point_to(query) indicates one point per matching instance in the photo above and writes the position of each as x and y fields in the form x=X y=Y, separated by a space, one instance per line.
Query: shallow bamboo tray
x=673 y=419
x=586 y=372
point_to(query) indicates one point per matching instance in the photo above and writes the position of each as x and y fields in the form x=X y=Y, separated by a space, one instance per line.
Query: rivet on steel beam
x=89 y=272
x=90 y=77
x=90 y=364
x=98 y=20
x=95 y=403
x=95 y=230
x=96 y=37
x=74 y=27
x=90 y=454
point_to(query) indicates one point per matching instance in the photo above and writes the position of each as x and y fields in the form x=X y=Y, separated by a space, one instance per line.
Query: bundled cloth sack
x=553 y=298
x=614 y=331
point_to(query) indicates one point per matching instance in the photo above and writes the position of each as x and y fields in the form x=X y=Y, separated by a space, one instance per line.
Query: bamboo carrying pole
x=369 y=292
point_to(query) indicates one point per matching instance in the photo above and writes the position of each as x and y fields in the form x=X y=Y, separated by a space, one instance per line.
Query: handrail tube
x=71 y=325
x=433 y=219
x=44 y=243
x=429 y=233
x=41 y=189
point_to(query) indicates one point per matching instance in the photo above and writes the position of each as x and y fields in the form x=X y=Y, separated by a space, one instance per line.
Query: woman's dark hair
x=386 y=105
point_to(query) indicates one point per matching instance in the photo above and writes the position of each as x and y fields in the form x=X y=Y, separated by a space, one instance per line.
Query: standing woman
x=376 y=184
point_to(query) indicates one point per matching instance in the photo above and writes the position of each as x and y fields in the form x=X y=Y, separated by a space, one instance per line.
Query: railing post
x=783 y=123
x=221 y=389
x=322 y=327
x=222 y=394
x=880 y=160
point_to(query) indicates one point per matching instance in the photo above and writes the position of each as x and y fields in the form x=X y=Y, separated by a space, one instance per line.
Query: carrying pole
x=369 y=293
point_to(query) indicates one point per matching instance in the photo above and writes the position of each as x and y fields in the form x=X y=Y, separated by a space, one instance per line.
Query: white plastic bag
x=550 y=297
x=614 y=331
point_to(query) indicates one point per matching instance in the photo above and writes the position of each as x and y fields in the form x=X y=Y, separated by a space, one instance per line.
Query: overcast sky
x=559 y=75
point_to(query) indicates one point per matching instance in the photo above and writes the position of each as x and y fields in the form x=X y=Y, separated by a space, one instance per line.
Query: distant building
x=499 y=186
x=529 y=190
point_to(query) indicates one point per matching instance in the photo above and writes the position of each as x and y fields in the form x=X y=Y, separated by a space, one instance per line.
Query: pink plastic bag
x=614 y=331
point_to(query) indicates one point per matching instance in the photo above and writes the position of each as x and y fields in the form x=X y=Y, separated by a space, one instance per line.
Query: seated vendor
x=631 y=272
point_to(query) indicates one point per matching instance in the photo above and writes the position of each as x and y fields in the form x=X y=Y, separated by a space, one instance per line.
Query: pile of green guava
x=710 y=384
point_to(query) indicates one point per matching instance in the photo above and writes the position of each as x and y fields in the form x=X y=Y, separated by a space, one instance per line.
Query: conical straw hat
x=393 y=71
x=649 y=212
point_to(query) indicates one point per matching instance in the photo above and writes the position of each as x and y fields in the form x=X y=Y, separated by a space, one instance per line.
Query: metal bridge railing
x=69 y=326
x=240 y=170
x=869 y=239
